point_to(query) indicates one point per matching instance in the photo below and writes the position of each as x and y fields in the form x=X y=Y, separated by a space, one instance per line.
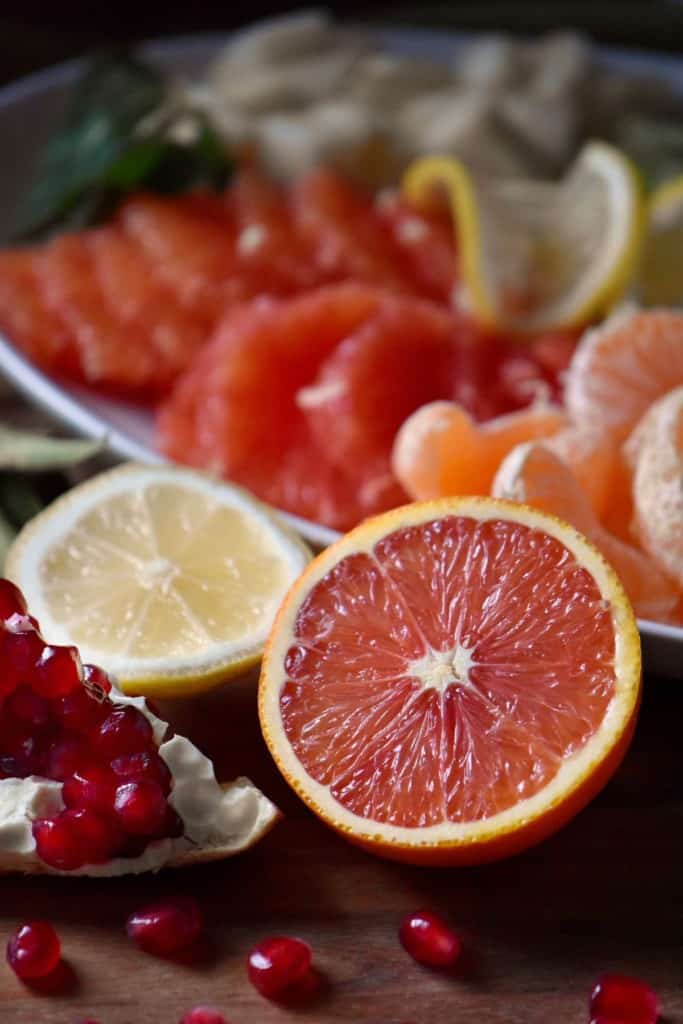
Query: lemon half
x=167 y=578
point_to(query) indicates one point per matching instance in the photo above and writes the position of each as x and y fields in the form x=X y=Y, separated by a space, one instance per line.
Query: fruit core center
x=158 y=573
x=438 y=670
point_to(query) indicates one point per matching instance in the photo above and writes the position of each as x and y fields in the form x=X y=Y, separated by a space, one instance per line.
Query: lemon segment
x=538 y=255
x=167 y=578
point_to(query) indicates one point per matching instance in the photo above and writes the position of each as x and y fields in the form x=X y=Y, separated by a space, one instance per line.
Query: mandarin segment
x=623 y=366
x=655 y=450
x=532 y=474
x=440 y=450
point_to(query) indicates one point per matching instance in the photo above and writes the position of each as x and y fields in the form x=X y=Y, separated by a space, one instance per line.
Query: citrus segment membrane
x=446 y=674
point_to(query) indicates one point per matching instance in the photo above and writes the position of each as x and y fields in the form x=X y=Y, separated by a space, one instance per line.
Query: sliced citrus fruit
x=623 y=366
x=536 y=255
x=452 y=681
x=167 y=578
x=531 y=473
x=656 y=452
x=660 y=275
x=440 y=450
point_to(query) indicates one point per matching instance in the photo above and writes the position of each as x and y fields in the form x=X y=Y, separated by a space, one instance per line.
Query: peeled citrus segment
x=536 y=255
x=532 y=474
x=167 y=578
x=601 y=471
x=620 y=368
x=655 y=450
x=660 y=276
x=440 y=450
x=451 y=681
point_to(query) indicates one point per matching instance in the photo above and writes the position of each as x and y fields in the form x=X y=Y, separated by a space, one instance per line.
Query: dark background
x=35 y=34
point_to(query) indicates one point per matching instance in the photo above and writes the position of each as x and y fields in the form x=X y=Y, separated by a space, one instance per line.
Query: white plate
x=28 y=111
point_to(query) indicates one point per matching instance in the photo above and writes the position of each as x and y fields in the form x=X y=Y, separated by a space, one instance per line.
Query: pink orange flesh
x=445 y=675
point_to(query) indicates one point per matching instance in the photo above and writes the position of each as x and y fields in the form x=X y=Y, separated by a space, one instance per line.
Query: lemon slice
x=660 y=280
x=538 y=255
x=167 y=578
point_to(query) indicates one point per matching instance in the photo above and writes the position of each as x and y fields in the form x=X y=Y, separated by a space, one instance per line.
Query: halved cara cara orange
x=452 y=681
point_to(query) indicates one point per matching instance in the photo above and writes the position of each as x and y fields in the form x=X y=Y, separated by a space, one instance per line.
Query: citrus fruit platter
x=387 y=331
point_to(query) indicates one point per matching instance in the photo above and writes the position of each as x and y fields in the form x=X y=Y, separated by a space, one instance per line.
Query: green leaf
x=19 y=502
x=100 y=152
x=22 y=450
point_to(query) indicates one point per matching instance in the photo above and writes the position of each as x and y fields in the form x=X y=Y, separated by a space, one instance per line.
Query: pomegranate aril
x=624 y=1000
x=34 y=950
x=140 y=807
x=164 y=929
x=429 y=940
x=58 y=672
x=67 y=755
x=78 y=711
x=28 y=707
x=203 y=1015
x=21 y=646
x=100 y=837
x=96 y=680
x=59 y=842
x=143 y=766
x=11 y=600
x=125 y=730
x=92 y=786
x=278 y=964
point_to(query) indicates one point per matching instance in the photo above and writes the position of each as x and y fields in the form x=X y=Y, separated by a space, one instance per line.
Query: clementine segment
x=451 y=681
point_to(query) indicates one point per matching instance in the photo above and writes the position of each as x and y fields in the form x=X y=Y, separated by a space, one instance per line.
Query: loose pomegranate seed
x=78 y=711
x=429 y=940
x=143 y=766
x=28 y=707
x=166 y=928
x=624 y=1000
x=59 y=842
x=203 y=1015
x=12 y=600
x=58 y=672
x=66 y=756
x=140 y=807
x=92 y=786
x=34 y=950
x=96 y=680
x=278 y=964
x=125 y=730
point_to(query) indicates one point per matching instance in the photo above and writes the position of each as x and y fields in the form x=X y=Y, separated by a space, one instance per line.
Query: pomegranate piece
x=58 y=672
x=11 y=600
x=140 y=807
x=429 y=940
x=78 y=711
x=100 y=836
x=34 y=950
x=92 y=787
x=21 y=645
x=203 y=1015
x=620 y=999
x=27 y=707
x=278 y=964
x=67 y=755
x=143 y=766
x=164 y=929
x=96 y=680
x=125 y=730
x=59 y=842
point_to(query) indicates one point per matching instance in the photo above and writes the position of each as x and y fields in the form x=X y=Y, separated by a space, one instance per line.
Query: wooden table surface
x=605 y=894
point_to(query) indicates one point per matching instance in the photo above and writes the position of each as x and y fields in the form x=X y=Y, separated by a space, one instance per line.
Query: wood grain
x=605 y=894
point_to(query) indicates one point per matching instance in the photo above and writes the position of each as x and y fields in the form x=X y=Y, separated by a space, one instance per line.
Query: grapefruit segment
x=531 y=473
x=452 y=680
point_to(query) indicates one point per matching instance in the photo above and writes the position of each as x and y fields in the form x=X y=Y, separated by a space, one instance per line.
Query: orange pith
x=437 y=686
